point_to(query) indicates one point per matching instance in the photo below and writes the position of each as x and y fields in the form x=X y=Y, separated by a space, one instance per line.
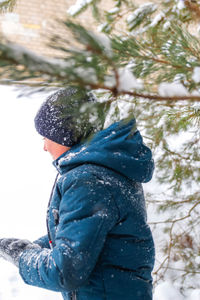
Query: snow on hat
x=59 y=118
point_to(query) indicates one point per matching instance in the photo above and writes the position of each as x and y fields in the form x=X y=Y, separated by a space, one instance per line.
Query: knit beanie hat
x=59 y=118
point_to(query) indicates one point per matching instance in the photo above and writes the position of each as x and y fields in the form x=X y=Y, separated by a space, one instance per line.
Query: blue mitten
x=11 y=249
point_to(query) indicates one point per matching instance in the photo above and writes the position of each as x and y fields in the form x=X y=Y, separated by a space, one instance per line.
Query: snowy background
x=27 y=176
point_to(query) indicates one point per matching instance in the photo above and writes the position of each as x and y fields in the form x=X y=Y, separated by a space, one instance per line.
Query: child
x=98 y=245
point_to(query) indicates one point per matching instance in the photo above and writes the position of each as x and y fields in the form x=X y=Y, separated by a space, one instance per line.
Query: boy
x=98 y=244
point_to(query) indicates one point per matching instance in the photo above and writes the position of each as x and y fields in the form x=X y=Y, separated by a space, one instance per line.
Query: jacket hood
x=119 y=147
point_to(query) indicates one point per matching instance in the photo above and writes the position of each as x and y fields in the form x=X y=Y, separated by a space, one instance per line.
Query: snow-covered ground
x=26 y=179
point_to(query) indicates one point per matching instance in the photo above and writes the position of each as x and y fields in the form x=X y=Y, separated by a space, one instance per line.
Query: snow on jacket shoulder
x=102 y=245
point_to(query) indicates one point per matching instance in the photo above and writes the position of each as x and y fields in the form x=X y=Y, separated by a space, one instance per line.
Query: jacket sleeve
x=87 y=213
x=43 y=242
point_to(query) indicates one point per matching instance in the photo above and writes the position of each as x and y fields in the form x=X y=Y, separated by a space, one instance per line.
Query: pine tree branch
x=62 y=72
x=165 y=62
x=173 y=153
x=173 y=222
x=114 y=91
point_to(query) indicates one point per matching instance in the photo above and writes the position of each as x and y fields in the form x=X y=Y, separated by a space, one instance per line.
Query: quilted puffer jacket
x=101 y=244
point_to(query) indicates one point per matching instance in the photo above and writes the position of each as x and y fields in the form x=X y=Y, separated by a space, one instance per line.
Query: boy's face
x=54 y=148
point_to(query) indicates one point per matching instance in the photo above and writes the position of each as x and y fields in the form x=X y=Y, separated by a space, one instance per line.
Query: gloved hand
x=11 y=249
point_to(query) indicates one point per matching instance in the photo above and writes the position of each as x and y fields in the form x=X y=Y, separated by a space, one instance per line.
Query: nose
x=44 y=146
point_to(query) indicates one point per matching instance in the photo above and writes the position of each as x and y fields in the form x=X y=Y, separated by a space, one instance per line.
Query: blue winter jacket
x=102 y=245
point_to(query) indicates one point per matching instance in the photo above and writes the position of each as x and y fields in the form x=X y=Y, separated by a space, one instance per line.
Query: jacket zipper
x=47 y=216
x=73 y=296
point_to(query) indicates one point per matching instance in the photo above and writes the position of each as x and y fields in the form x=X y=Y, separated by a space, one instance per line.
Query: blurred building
x=32 y=22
